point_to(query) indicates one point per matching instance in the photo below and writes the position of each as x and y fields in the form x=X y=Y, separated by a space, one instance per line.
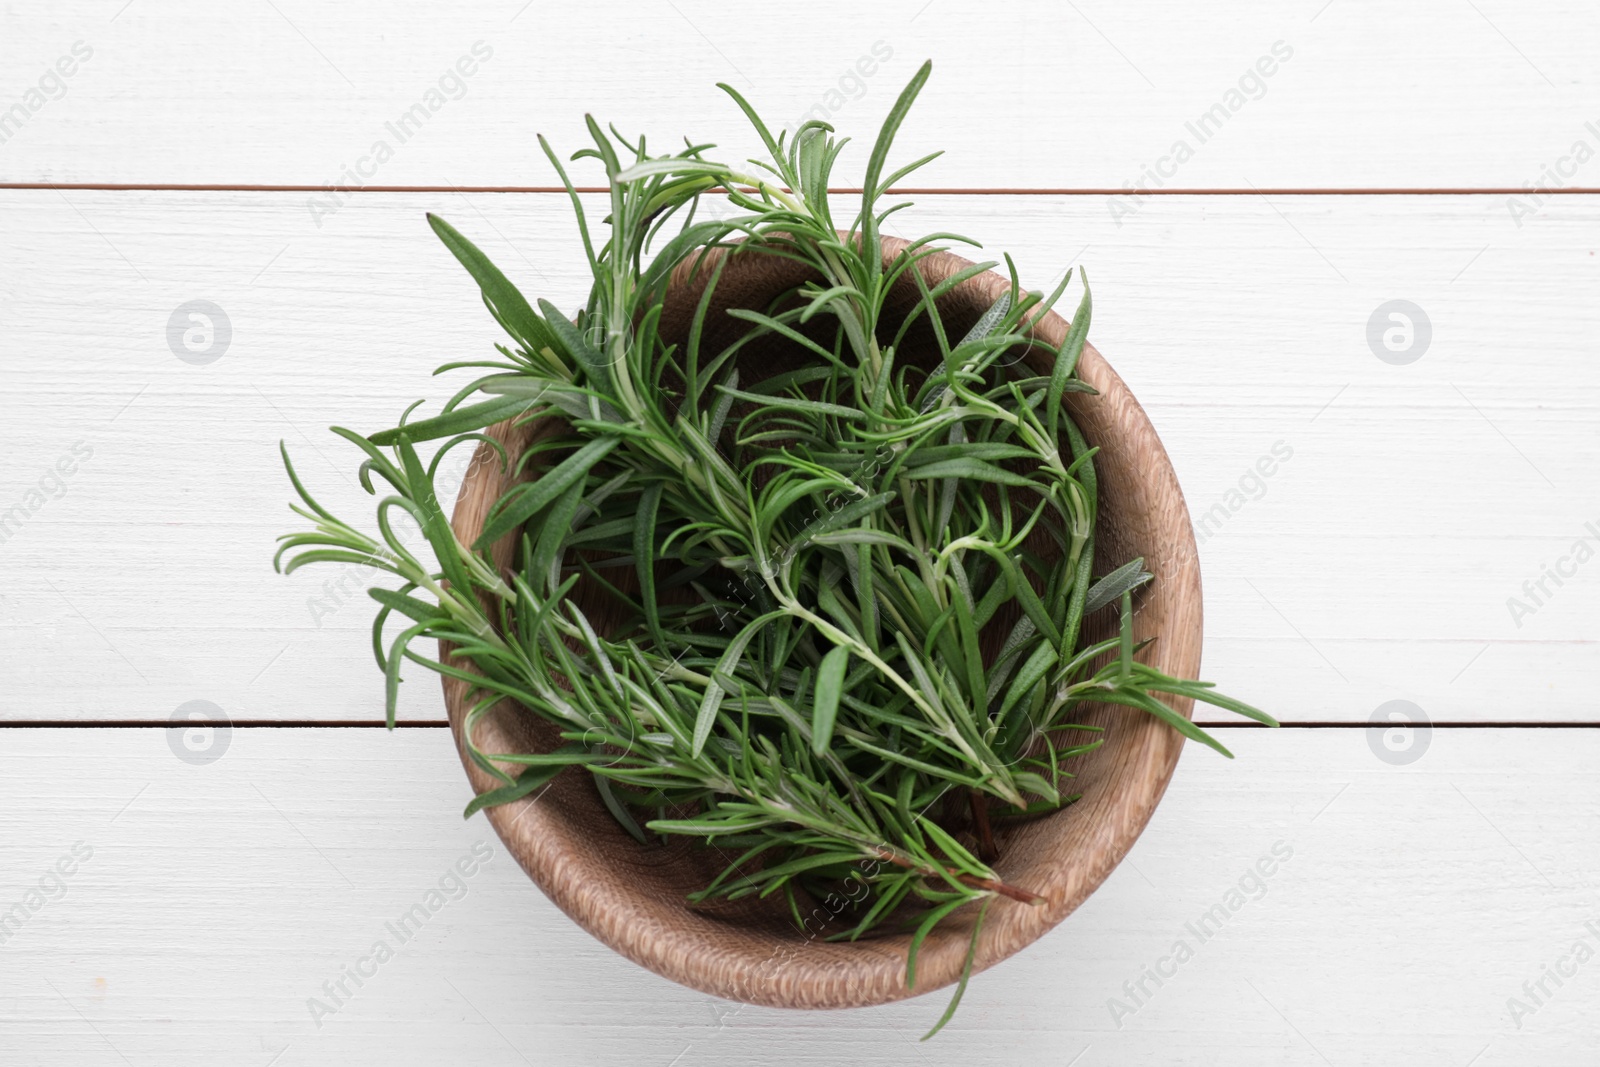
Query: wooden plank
x=1403 y=908
x=1085 y=95
x=1406 y=504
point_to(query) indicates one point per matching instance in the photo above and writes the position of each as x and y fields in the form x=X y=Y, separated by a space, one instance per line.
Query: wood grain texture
x=631 y=896
x=1375 y=564
x=1417 y=900
x=1088 y=94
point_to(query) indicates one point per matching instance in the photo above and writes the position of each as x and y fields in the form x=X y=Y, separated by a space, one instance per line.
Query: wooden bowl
x=632 y=896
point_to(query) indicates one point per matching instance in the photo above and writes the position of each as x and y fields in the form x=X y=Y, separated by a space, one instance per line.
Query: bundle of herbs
x=852 y=591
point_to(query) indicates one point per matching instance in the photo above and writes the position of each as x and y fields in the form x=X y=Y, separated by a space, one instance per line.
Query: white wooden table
x=1426 y=534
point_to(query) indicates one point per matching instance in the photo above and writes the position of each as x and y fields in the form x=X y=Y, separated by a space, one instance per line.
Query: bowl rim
x=761 y=964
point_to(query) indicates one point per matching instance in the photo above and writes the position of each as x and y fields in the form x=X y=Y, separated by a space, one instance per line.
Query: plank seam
x=909 y=191
x=441 y=724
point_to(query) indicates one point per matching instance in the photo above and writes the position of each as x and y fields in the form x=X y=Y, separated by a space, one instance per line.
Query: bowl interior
x=632 y=896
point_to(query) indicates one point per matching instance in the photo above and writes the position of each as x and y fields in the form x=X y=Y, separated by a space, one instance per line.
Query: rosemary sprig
x=819 y=561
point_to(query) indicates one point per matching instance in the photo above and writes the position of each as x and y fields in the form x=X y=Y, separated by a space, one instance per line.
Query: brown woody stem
x=993 y=885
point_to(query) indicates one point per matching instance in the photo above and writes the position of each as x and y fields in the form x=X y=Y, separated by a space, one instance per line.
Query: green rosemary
x=840 y=613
